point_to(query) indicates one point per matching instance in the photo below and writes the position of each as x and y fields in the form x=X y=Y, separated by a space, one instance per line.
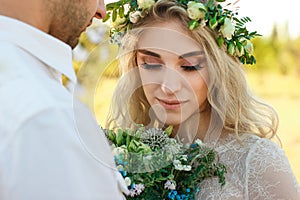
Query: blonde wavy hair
x=229 y=95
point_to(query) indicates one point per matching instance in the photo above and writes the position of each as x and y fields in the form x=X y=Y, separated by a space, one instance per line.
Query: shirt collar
x=53 y=52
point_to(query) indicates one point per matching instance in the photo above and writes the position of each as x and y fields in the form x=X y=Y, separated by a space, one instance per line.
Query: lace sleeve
x=269 y=173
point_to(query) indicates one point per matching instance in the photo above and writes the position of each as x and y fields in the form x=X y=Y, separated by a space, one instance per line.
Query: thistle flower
x=156 y=139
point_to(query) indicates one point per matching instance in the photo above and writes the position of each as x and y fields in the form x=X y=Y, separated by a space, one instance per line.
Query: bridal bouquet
x=156 y=166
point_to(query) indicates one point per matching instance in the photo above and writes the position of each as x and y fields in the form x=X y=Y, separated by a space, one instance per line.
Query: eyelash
x=192 y=67
x=185 y=68
x=150 y=66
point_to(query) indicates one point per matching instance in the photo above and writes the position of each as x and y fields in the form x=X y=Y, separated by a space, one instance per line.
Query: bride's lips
x=169 y=104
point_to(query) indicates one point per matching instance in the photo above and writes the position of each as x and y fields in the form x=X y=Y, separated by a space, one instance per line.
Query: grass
x=280 y=91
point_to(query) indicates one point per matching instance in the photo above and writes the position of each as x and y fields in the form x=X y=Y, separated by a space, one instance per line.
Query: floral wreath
x=231 y=31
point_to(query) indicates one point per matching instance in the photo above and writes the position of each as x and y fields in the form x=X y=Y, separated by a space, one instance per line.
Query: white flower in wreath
x=227 y=29
x=196 y=10
x=144 y=4
x=135 y=16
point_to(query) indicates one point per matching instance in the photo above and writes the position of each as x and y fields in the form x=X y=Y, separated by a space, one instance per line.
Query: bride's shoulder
x=248 y=140
x=262 y=145
x=249 y=145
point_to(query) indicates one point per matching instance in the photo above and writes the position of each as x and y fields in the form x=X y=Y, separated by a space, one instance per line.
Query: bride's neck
x=194 y=128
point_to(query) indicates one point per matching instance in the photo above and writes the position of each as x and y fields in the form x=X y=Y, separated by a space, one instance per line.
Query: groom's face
x=71 y=18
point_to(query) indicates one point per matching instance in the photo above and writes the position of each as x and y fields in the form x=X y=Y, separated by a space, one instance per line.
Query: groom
x=50 y=145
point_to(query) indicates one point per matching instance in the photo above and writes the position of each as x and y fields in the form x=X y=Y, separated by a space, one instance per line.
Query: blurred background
x=275 y=78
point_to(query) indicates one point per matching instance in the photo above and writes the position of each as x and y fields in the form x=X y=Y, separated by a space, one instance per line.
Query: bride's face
x=174 y=73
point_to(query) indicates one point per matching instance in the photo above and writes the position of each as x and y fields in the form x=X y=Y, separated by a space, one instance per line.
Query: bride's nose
x=171 y=82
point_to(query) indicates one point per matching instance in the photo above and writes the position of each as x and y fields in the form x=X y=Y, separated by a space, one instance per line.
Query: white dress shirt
x=51 y=147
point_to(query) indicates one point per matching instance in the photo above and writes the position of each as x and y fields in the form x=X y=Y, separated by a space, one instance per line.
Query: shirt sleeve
x=270 y=175
x=59 y=154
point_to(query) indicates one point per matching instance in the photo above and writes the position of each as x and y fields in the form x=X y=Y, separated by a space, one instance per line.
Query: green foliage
x=160 y=167
x=277 y=54
x=231 y=31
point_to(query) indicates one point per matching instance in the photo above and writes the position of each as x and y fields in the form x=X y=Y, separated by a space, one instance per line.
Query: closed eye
x=192 y=67
x=151 y=66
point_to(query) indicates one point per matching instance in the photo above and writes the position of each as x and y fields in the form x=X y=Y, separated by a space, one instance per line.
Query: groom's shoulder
x=23 y=93
x=9 y=53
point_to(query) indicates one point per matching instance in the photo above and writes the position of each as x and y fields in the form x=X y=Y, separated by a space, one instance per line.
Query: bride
x=182 y=67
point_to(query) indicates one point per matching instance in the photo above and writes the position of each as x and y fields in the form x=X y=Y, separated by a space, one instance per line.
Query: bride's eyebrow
x=149 y=53
x=189 y=54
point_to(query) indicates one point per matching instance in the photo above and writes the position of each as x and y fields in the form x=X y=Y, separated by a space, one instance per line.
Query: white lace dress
x=256 y=169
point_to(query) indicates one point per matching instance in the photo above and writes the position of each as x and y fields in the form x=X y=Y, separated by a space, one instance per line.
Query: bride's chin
x=173 y=123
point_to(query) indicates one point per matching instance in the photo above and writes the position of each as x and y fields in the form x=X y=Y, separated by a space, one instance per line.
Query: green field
x=280 y=91
x=283 y=93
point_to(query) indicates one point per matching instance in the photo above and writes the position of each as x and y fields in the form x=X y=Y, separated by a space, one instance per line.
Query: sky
x=265 y=13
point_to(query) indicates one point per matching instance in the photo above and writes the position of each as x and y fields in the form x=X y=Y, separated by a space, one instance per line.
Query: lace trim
x=253 y=167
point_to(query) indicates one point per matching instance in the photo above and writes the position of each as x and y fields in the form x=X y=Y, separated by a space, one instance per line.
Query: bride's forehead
x=167 y=39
